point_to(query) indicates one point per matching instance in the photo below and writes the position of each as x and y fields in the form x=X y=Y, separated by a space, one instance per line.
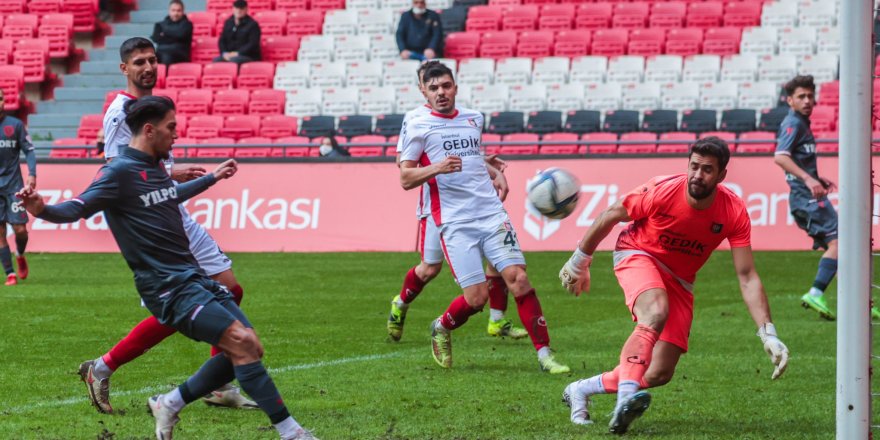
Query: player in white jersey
x=138 y=58
x=431 y=253
x=442 y=149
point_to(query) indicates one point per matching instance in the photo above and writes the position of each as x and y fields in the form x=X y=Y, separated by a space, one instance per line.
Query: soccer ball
x=554 y=193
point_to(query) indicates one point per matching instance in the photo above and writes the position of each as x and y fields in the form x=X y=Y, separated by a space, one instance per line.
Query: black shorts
x=817 y=217
x=11 y=210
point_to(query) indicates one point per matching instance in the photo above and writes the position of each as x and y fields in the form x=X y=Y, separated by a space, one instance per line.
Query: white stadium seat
x=778 y=68
x=602 y=97
x=626 y=69
x=340 y=101
x=680 y=96
x=361 y=4
x=451 y=64
x=363 y=74
x=757 y=95
x=291 y=75
x=340 y=22
x=640 y=96
x=398 y=5
x=701 y=68
x=316 y=48
x=400 y=73
x=515 y=70
x=588 y=69
x=797 y=41
x=828 y=40
x=758 y=41
x=822 y=66
x=489 y=98
x=551 y=70
x=327 y=75
x=376 y=100
x=527 y=98
x=408 y=97
x=718 y=95
x=663 y=68
x=565 y=97
x=476 y=71
x=779 y=14
x=463 y=98
x=303 y=102
x=351 y=48
x=375 y=21
x=817 y=14
x=739 y=68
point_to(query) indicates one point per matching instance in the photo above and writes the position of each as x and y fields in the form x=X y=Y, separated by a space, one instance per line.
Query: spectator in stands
x=419 y=34
x=173 y=35
x=330 y=148
x=240 y=40
x=99 y=143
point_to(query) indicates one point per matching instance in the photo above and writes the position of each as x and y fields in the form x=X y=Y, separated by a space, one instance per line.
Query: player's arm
x=756 y=301
x=498 y=181
x=186 y=172
x=575 y=274
x=414 y=176
x=188 y=190
x=785 y=143
x=103 y=191
x=30 y=156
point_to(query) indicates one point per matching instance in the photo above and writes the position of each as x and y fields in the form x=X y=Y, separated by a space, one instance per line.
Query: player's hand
x=500 y=184
x=404 y=54
x=32 y=182
x=185 y=173
x=575 y=274
x=774 y=348
x=226 y=169
x=452 y=164
x=816 y=187
x=31 y=200
x=829 y=185
x=496 y=162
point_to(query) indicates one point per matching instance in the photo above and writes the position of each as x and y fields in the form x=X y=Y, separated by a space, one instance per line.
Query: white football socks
x=288 y=428
x=101 y=370
x=496 y=315
x=439 y=327
x=591 y=386
x=814 y=292
x=543 y=352
x=400 y=302
x=625 y=389
x=173 y=400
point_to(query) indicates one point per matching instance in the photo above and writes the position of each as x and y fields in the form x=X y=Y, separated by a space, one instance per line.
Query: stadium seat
x=603 y=97
x=771 y=118
x=271 y=22
x=823 y=118
x=560 y=148
x=13 y=7
x=699 y=121
x=326 y=75
x=828 y=40
x=514 y=70
x=291 y=5
x=640 y=148
x=241 y=126
x=759 y=147
x=219 y=76
x=316 y=48
x=520 y=149
x=89 y=126
x=33 y=55
x=565 y=97
x=505 y=123
x=667 y=15
x=340 y=22
x=292 y=75
x=388 y=124
x=520 y=18
x=409 y=97
x=722 y=41
x=660 y=121
x=572 y=43
x=822 y=66
x=58 y=29
x=701 y=68
x=704 y=15
x=738 y=120
x=303 y=102
x=583 y=121
x=625 y=69
x=684 y=41
x=684 y=147
x=489 y=98
x=351 y=49
x=609 y=42
x=279 y=48
x=214 y=152
x=498 y=45
x=245 y=150
x=204 y=49
x=69 y=153
x=490 y=143
x=203 y=23
x=256 y=75
x=640 y=97
x=169 y=93
x=630 y=15
x=375 y=22
x=12 y=84
x=186 y=75
x=204 y=127
x=829 y=94
x=777 y=68
x=535 y=44
x=758 y=41
x=646 y=42
x=376 y=100
x=679 y=96
x=277 y=126
x=354 y=125
x=230 y=102
x=266 y=102
x=84 y=12
x=399 y=73
x=304 y=22
x=483 y=18
x=5 y=51
x=295 y=147
x=817 y=14
x=588 y=69
x=798 y=41
x=461 y=45
x=18 y=26
x=599 y=148
x=340 y=101
x=779 y=14
x=757 y=95
x=314 y=126
x=543 y=122
x=383 y=48
x=194 y=102
x=739 y=68
x=742 y=13
x=44 y=7
x=663 y=68
x=827 y=147
x=719 y=95
x=551 y=70
x=556 y=17
x=621 y=121
x=727 y=136
x=593 y=16
x=453 y=19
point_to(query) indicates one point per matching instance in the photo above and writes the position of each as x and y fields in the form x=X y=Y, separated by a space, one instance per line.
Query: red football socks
x=412 y=286
x=532 y=317
x=457 y=314
x=144 y=336
x=497 y=293
x=636 y=354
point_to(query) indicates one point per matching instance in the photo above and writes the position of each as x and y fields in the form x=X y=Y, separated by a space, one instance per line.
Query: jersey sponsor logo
x=8 y=143
x=8 y=130
x=681 y=245
x=716 y=228
x=461 y=144
x=158 y=196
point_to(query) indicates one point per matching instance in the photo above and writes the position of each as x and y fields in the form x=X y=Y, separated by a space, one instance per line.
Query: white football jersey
x=116 y=131
x=424 y=207
x=464 y=195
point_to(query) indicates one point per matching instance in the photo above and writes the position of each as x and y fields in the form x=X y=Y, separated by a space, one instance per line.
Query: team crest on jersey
x=9 y=130
x=716 y=228
x=473 y=122
x=143 y=174
x=789 y=130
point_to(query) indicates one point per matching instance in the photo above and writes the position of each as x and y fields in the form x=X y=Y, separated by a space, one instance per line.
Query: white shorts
x=466 y=243
x=429 y=241
x=203 y=247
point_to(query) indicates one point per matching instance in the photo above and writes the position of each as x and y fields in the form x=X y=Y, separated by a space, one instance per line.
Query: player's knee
x=430 y=271
x=518 y=283
x=242 y=343
x=659 y=377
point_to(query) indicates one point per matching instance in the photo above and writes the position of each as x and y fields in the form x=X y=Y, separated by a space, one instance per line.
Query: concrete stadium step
x=191 y=5
x=104 y=55
x=56 y=107
x=81 y=94
x=149 y=16
x=133 y=29
x=107 y=81
x=55 y=120
x=99 y=67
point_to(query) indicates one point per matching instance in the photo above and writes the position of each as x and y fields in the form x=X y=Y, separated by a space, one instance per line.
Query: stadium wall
x=328 y=207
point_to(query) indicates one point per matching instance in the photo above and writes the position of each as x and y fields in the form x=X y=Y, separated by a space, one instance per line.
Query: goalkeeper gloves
x=774 y=348
x=575 y=274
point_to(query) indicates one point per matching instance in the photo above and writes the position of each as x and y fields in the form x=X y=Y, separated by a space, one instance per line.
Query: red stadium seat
x=278 y=126
x=203 y=23
x=5 y=51
x=638 y=148
x=204 y=127
x=593 y=16
x=722 y=41
x=704 y=15
x=667 y=15
x=33 y=55
x=326 y=5
x=646 y=42
x=194 y=102
x=12 y=84
x=520 y=18
x=18 y=26
x=535 y=44
x=214 y=152
x=460 y=45
x=763 y=147
x=676 y=136
x=271 y=22
x=559 y=149
x=219 y=76
x=520 y=149
x=89 y=126
x=482 y=18
x=826 y=147
x=497 y=45
x=184 y=76
x=630 y=15
x=69 y=153
x=829 y=94
x=277 y=49
x=556 y=17
x=266 y=102
x=372 y=146
x=572 y=43
x=217 y=6
x=58 y=29
x=298 y=151
x=256 y=75
x=305 y=23
x=489 y=138
x=170 y=93
x=727 y=136
x=12 y=6
x=599 y=148
x=609 y=42
x=684 y=41
x=230 y=102
x=161 y=73
x=741 y=14
x=84 y=12
x=204 y=49
x=823 y=118
x=241 y=126
x=291 y=5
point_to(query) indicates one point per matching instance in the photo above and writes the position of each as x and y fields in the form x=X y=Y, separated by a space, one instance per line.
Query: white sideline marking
x=156 y=388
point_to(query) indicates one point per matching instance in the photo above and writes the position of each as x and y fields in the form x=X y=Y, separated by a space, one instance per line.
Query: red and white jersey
x=116 y=131
x=424 y=207
x=464 y=195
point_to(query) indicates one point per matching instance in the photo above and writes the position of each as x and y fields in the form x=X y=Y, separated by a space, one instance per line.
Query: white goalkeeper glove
x=777 y=351
x=575 y=274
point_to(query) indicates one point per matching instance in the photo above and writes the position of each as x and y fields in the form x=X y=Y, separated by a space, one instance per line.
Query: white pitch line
x=155 y=388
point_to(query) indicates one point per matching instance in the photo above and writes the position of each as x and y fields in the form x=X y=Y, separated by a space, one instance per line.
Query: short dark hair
x=176 y=2
x=712 y=146
x=132 y=44
x=424 y=66
x=802 y=81
x=436 y=70
x=146 y=110
x=240 y=4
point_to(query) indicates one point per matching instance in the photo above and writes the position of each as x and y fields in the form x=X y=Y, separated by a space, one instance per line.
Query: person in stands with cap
x=240 y=40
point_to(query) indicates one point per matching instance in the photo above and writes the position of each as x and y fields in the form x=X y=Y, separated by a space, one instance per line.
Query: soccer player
x=677 y=221
x=139 y=66
x=140 y=203
x=442 y=149
x=14 y=140
x=808 y=200
x=432 y=258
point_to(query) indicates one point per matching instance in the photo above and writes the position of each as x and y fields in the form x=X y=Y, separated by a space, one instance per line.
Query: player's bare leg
x=499 y=324
x=532 y=317
x=471 y=301
x=814 y=298
x=6 y=258
x=415 y=280
x=21 y=241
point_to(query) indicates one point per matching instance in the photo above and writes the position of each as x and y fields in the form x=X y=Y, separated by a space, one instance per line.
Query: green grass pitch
x=322 y=319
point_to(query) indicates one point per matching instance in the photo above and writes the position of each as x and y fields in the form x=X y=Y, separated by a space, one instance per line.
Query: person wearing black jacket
x=173 y=35
x=420 y=33
x=240 y=40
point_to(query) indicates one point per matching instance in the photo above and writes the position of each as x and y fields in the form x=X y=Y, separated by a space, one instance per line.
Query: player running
x=442 y=149
x=140 y=203
x=432 y=258
x=14 y=140
x=677 y=221
x=808 y=200
x=139 y=65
